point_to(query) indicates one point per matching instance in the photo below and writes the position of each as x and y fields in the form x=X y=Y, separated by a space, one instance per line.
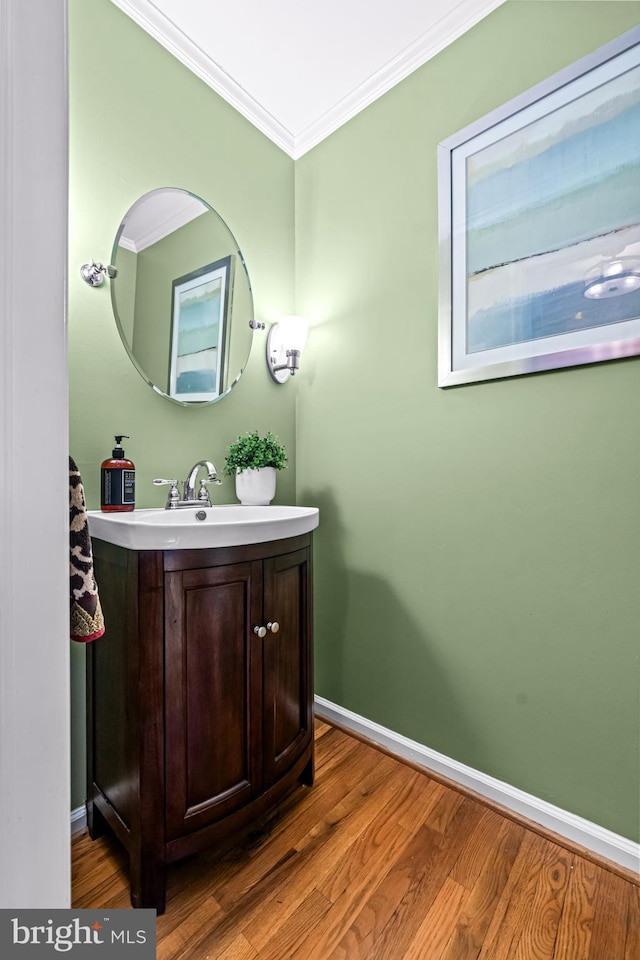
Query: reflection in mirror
x=182 y=297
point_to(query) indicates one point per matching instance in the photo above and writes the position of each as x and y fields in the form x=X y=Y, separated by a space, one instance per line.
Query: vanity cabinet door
x=213 y=679
x=287 y=661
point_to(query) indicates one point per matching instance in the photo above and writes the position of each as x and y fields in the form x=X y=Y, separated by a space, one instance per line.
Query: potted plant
x=253 y=461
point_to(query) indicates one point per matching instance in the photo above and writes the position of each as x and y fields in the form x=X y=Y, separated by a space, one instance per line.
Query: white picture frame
x=539 y=225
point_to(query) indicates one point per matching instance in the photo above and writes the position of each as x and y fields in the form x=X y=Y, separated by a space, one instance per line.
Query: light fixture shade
x=285 y=342
x=293 y=332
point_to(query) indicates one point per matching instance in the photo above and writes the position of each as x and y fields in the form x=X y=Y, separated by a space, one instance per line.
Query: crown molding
x=160 y=229
x=147 y=16
x=464 y=15
x=453 y=25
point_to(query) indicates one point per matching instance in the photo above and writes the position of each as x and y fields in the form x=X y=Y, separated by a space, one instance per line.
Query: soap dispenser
x=118 y=481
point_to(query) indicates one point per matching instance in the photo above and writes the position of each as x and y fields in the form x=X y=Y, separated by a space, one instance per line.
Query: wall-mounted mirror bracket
x=94 y=273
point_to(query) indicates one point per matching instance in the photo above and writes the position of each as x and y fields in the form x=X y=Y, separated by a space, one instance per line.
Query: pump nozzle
x=118 y=452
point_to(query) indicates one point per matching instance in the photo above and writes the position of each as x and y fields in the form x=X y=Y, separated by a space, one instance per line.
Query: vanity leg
x=308 y=774
x=96 y=823
x=148 y=883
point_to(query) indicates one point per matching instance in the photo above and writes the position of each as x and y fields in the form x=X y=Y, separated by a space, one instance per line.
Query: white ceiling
x=299 y=69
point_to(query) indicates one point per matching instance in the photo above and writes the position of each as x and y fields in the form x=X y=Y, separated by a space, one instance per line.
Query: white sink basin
x=223 y=526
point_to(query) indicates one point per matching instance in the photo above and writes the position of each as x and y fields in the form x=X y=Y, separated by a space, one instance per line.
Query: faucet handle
x=203 y=493
x=174 y=496
x=203 y=483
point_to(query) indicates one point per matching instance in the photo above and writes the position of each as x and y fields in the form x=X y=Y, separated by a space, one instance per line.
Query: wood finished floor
x=379 y=862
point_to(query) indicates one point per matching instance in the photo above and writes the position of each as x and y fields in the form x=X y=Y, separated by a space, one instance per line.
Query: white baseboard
x=78 y=819
x=604 y=842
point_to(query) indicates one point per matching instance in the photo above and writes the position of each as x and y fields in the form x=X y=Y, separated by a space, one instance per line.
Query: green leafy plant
x=251 y=451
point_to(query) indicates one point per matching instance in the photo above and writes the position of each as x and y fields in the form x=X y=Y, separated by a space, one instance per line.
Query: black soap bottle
x=118 y=481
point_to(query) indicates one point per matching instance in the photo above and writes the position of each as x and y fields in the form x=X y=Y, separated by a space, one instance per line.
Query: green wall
x=477 y=561
x=476 y=564
x=139 y=120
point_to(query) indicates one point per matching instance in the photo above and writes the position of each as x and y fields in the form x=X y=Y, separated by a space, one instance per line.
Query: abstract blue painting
x=540 y=225
x=198 y=332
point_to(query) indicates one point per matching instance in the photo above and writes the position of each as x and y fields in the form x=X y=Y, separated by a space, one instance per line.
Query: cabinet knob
x=273 y=626
x=260 y=631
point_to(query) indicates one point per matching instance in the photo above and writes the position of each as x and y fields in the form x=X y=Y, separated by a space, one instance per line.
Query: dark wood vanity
x=199 y=697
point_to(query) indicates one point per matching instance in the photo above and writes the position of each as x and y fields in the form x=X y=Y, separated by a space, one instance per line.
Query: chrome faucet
x=189 y=498
x=189 y=485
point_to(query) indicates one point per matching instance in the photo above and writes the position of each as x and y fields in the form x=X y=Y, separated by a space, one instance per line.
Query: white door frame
x=34 y=539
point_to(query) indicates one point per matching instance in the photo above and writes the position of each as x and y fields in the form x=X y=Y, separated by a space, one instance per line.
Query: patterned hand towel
x=87 y=622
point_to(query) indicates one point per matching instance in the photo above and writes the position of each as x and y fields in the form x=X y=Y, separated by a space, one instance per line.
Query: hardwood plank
x=100 y=880
x=349 y=881
x=632 y=951
x=441 y=807
x=328 y=845
x=175 y=937
x=438 y=926
x=478 y=849
x=240 y=949
x=538 y=935
x=506 y=915
x=391 y=917
x=425 y=887
x=312 y=830
x=475 y=917
x=398 y=820
x=318 y=855
x=367 y=925
x=332 y=747
x=574 y=932
x=367 y=863
x=412 y=819
x=289 y=941
x=528 y=928
x=609 y=930
x=320 y=729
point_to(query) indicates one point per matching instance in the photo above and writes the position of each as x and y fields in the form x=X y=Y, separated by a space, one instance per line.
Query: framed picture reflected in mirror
x=199 y=320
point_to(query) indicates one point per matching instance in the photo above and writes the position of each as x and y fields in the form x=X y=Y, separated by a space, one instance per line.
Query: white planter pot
x=257 y=487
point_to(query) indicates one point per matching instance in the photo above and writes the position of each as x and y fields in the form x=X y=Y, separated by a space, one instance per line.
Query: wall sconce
x=285 y=342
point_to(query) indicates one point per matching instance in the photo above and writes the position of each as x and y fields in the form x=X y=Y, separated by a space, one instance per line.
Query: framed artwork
x=199 y=321
x=539 y=225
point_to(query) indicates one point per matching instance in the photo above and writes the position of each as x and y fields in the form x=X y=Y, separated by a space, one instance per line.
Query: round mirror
x=182 y=297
